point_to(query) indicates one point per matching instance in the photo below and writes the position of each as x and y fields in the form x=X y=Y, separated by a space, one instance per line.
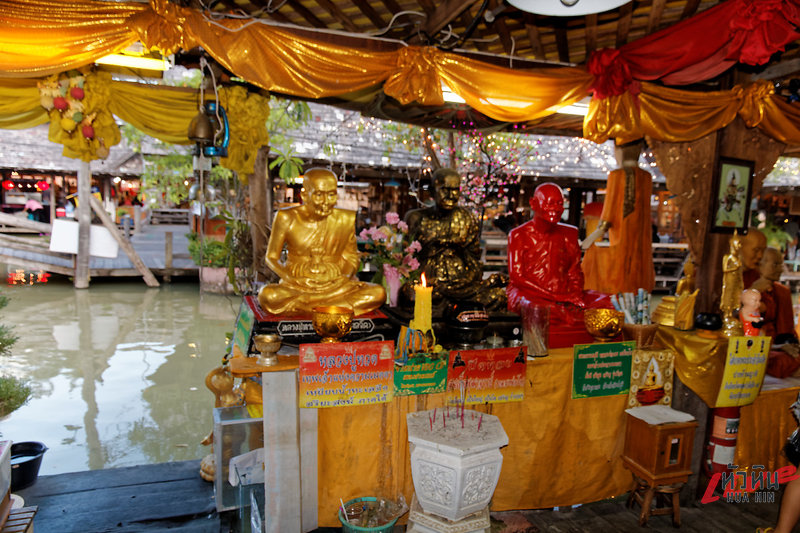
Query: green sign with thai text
x=602 y=369
x=422 y=374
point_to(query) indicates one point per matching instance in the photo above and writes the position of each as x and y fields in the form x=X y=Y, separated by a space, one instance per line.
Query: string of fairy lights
x=492 y=165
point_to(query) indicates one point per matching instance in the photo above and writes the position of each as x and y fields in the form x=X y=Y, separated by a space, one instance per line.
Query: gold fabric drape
x=161 y=112
x=699 y=362
x=52 y=36
x=561 y=451
x=764 y=427
x=43 y=37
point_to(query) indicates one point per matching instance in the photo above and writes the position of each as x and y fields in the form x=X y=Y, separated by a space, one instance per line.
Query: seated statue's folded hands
x=321 y=255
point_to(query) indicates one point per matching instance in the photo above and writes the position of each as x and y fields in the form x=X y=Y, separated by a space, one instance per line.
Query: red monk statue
x=544 y=262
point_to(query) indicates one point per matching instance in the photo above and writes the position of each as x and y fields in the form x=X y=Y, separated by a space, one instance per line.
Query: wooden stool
x=660 y=457
x=649 y=497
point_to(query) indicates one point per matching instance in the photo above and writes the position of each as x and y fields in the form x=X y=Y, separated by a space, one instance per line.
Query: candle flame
x=422 y=278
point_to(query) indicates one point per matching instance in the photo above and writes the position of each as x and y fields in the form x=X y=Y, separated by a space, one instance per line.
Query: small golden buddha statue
x=732 y=287
x=322 y=258
x=450 y=254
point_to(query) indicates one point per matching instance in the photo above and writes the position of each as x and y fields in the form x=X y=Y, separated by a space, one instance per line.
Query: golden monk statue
x=732 y=287
x=322 y=257
x=450 y=254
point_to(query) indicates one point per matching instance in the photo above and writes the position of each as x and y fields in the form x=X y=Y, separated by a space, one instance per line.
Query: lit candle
x=422 y=306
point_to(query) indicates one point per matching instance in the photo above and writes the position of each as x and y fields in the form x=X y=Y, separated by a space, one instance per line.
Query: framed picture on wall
x=732 y=190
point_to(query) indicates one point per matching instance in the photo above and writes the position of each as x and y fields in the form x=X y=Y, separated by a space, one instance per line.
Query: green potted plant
x=14 y=392
x=211 y=255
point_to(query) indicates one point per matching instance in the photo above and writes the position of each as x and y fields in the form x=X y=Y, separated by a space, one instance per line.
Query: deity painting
x=651 y=378
x=732 y=194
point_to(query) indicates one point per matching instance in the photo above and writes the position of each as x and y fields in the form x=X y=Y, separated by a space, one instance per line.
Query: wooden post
x=260 y=214
x=168 y=256
x=53 y=197
x=84 y=216
x=148 y=276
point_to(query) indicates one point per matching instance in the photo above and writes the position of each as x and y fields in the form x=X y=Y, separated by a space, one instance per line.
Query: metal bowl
x=268 y=343
x=332 y=322
x=603 y=324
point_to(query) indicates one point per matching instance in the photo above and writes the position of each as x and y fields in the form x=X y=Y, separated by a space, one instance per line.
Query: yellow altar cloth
x=561 y=451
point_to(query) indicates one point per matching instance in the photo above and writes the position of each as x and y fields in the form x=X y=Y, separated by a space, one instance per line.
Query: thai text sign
x=486 y=376
x=745 y=366
x=602 y=369
x=423 y=373
x=346 y=373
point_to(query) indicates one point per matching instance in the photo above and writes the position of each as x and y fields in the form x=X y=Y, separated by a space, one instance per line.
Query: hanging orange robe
x=627 y=263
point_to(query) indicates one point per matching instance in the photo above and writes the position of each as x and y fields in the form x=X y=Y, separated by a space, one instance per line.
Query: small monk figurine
x=544 y=262
x=750 y=314
x=732 y=287
x=450 y=254
x=776 y=299
x=322 y=258
x=754 y=242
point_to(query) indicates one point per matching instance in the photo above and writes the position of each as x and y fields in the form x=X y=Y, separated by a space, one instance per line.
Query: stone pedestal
x=421 y=522
x=455 y=464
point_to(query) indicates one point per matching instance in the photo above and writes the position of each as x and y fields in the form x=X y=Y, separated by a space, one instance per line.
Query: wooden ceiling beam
x=306 y=13
x=505 y=36
x=690 y=8
x=370 y=13
x=537 y=49
x=654 y=18
x=562 y=42
x=591 y=33
x=445 y=14
x=624 y=23
x=338 y=15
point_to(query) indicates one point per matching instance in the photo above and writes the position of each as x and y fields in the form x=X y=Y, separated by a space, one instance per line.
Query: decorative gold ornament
x=332 y=322
x=603 y=324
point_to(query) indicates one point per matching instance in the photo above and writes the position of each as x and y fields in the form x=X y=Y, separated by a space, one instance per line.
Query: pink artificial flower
x=364 y=235
x=402 y=226
x=412 y=262
x=392 y=217
x=415 y=246
x=392 y=276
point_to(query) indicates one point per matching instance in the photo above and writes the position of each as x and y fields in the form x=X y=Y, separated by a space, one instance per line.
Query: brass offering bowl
x=268 y=346
x=603 y=324
x=332 y=322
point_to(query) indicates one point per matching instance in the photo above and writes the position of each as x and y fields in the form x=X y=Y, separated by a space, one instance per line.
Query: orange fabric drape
x=626 y=265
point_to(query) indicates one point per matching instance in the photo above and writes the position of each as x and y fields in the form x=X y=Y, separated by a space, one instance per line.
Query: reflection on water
x=117 y=370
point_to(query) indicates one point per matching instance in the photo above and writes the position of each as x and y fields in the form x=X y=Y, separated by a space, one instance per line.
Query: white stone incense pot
x=455 y=460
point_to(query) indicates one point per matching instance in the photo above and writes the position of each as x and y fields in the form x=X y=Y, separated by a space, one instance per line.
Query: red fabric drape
x=746 y=31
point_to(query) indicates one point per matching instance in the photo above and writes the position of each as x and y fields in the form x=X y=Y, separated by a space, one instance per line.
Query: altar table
x=561 y=451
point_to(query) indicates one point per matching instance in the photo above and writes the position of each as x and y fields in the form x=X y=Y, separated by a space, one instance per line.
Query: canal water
x=117 y=370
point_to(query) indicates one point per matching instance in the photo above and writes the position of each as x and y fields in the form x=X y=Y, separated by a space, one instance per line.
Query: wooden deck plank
x=139 y=498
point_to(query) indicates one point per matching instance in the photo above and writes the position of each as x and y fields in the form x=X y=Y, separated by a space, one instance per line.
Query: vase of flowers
x=392 y=252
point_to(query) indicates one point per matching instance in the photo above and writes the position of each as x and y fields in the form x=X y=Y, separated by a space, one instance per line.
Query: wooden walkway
x=150 y=245
x=172 y=496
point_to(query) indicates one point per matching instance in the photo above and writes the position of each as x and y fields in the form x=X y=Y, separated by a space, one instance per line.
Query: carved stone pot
x=455 y=469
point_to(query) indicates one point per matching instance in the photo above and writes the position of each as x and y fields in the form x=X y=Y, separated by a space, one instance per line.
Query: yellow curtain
x=19 y=104
x=161 y=112
x=247 y=114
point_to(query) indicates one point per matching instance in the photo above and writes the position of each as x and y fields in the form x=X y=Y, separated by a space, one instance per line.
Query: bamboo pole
x=148 y=276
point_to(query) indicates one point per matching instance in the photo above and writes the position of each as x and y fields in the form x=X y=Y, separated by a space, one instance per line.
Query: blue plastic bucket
x=350 y=528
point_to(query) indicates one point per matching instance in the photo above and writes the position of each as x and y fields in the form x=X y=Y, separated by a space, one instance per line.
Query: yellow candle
x=422 y=306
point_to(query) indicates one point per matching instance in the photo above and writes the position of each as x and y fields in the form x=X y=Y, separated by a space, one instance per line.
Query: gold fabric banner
x=42 y=37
